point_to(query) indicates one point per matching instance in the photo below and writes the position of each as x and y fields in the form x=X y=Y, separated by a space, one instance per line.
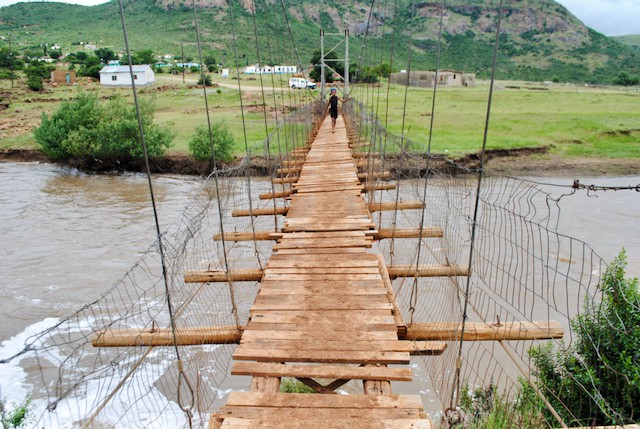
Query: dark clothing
x=333 y=106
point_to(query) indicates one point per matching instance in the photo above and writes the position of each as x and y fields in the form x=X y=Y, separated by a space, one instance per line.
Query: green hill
x=541 y=40
x=631 y=40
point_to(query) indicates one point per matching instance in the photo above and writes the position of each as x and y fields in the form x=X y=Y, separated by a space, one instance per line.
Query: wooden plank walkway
x=325 y=311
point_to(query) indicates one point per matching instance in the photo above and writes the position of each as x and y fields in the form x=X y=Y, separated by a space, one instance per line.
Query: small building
x=63 y=76
x=426 y=79
x=257 y=69
x=225 y=72
x=121 y=76
x=188 y=65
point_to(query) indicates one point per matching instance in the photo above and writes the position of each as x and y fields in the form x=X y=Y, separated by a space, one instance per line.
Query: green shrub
x=200 y=143
x=207 y=80
x=291 y=385
x=86 y=129
x=16 y=418
x=597 y=379
x=35 y=83
x=486 y=408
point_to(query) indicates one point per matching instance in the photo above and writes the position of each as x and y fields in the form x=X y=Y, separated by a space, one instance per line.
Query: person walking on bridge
x=332 y=108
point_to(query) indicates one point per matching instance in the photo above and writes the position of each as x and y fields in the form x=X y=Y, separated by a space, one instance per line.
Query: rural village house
x=63 y=76
x=425 y=79
x=120 y=76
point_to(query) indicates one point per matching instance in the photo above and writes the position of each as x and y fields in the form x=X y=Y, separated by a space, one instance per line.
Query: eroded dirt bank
x=514 y=162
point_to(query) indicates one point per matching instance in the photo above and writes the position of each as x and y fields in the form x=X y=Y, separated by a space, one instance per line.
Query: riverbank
x=513 y=162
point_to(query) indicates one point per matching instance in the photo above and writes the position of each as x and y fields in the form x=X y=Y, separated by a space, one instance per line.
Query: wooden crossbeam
x=281 y=180
x=288 y=170
x=427 y=232
x=410 y=270
x=376 y=175
x=379 y=187
x=408 y=205
x=481 y=331
x=280 y=194
x=248 y=236
x=366 y=155
x=212 y=276
x=165 y=337
x=266 y=211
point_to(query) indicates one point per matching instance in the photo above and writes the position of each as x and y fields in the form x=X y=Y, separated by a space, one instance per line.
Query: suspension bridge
x=329 y=273
x=326 y=311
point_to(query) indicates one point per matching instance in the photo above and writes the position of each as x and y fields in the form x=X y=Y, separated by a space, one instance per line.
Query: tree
x=105 y=55
x=200 y=143
x=144 y=57
x=91 y=67
x=84 y=129
x=36 y=73
x=597 y=379
x=315 y=73
x=625 y=79
x=55 y=54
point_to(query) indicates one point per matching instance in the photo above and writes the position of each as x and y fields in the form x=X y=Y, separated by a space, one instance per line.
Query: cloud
x=610 y=17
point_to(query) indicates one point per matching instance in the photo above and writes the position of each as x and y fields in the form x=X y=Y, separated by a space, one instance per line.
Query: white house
x=120 y=75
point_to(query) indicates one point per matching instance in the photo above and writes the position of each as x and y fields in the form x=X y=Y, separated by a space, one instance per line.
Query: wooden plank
x=412 y=347
x=379 y=187
x=265 y=384
x=165 y=337
x=272 y=195
x=376 y=175
x=397 y=314
x=315 y=290
x=328 y=335
x=245 y=236
x=410 y=270
x=327 y=316
x=327 y=326
x=427 y=232
x=319 y=414
x=334 y=372
x=211 y=276
x=480 y=331
x=270 y=275
x=408 y=205
x=281 y=180
x=301 y=400
x=245 y=352
x=265 y=211
x=309 y=422
x=344 y=271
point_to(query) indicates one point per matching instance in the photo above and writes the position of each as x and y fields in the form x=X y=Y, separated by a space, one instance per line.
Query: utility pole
x=182 y=58
x=10 y=61
x=322 y=77
x=346 y=63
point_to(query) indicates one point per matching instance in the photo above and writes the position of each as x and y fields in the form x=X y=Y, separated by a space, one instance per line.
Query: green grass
x=576 y=121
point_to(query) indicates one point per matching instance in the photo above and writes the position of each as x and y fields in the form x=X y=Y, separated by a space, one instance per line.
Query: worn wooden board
x=335 y=372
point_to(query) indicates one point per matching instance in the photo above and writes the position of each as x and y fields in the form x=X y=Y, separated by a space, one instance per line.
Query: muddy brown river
x=68 y=236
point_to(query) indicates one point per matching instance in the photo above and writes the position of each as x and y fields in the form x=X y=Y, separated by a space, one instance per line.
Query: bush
x=625 y=79
x=85 y=129
x=16 y=418
x=35 y=83
x=200 y=143
x=291 y=385
x=485 y=408
x=597 y=379
x=207 y=80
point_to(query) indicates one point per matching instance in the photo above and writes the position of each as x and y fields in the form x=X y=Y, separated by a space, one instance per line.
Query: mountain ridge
x=541 y=39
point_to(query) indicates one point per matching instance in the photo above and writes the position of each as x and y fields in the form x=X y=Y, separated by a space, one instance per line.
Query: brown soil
x=514 y=162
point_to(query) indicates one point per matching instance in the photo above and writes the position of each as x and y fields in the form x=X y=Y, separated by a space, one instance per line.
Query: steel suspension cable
x=402 y=135
x=215 y=173
x=244 y=132
x=414 y=291
x=455 y=391
x=264 y=111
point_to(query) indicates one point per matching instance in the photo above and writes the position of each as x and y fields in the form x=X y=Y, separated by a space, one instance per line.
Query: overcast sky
x=610 y=17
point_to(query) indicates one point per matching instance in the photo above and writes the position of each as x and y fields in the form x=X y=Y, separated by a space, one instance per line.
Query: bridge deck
x=325 y=310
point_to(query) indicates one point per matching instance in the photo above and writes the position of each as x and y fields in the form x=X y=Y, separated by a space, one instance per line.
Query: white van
x=299 y=82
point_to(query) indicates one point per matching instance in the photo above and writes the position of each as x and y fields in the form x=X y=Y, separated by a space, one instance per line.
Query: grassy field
x=576 y=121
